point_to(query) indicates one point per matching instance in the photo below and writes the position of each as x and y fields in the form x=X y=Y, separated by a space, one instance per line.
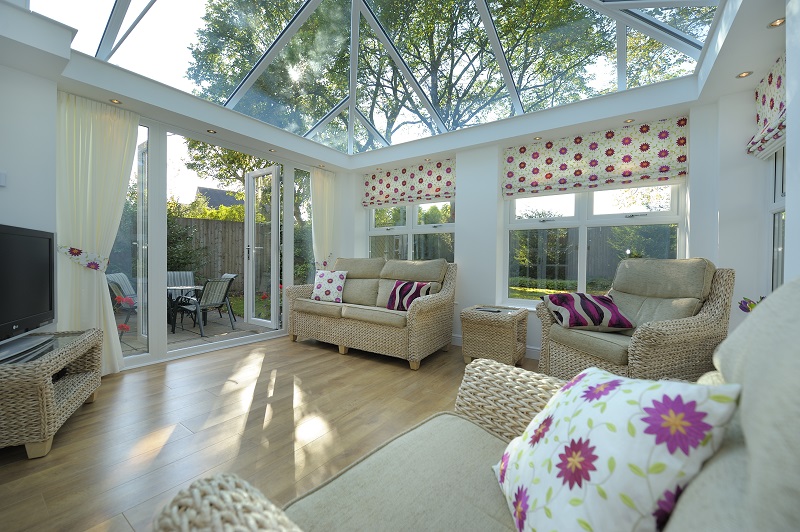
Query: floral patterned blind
x=630 y=156
x=770 y=112
x=419 y=183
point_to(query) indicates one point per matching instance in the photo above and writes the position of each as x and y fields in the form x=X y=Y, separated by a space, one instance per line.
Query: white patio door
x=262 y=247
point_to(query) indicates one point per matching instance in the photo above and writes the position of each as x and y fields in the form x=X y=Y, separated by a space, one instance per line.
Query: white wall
x=792 y=253
x=28 y=150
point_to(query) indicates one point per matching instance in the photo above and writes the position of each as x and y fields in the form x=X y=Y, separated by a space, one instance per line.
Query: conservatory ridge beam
x=355 y=19
x=666 y=28
x=111 y=31
x=394 y=53
x=644 y=4
x=500 y=55
x=131 y=28
x=670 y=38
x=367 y=124
x=274 y=49
x=327 y=118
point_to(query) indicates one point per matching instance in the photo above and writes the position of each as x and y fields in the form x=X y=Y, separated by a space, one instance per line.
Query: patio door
x=262 y=247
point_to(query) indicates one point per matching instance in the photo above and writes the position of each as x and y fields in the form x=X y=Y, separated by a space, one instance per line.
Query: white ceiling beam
x=394 y=53
x=274 y=49
x=355 y=19
x=644 y=4
x=111 y=31
x=500 y=55
x=129 y=30
x=622 y=56
x=367 y=124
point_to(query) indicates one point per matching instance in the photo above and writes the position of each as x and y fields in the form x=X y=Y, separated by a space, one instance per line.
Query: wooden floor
x=285 y=416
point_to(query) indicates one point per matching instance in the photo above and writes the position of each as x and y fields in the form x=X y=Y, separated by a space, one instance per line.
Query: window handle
x=635 y=215
x=542 y=220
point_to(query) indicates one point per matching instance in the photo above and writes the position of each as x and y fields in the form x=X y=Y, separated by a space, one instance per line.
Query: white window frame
x=583 y=220
x=411 y=228
x=776 y=204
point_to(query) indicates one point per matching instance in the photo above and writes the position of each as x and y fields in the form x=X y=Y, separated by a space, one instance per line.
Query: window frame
x=411 y=228
x=583 y=220
x=776 y=204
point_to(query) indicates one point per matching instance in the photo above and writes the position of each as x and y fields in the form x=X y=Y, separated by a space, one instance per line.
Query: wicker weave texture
x=429 y=325
x=503 y=399
x=223 y=502
x=32 y=406
x=671 y=349
x=498 y=336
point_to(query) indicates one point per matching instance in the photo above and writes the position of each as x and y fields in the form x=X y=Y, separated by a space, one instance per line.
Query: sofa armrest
x=547 y=319
x=299 y=291
x=503 y=399
x=222 y=502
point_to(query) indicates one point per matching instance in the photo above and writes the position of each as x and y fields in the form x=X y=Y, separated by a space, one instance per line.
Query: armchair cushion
x=609 y=347
x=586 y=311
x=612 y=453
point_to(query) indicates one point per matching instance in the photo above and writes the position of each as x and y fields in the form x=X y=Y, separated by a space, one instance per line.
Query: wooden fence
x=224 y=242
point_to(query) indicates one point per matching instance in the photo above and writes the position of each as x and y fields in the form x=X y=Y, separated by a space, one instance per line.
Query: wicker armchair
x=676 y=348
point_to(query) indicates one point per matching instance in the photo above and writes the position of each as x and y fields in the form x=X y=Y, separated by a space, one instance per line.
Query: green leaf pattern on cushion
x=565 y=462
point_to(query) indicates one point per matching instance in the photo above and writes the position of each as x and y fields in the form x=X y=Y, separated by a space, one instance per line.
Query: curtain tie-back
x=85 y=258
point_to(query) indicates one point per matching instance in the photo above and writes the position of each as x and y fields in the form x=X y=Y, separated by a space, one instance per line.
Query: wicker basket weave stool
x=494 y=332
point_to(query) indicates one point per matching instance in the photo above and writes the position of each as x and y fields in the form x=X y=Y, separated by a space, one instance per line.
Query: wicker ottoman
x=494 y=332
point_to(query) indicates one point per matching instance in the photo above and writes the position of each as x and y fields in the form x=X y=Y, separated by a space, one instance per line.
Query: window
x=778 y=213
x=423 y=231
x=574 y=242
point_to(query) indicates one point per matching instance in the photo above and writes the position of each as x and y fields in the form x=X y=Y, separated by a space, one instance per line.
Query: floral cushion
x=612 y=453
x=586 y=311
x=404 y=292
x=328 y=285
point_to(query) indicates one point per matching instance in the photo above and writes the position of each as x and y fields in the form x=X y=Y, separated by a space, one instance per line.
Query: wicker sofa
x=438 y=476
x=362 y=321
x=681 y=308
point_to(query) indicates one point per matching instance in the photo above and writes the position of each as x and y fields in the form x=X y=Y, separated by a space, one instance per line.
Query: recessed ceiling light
x=271 y=150
x=777 y=23
x=427 y=159
x=537 y=138
x=742 y=75
x=115 y=101
x=322 y=166
x=212 y=131
x=628 y=120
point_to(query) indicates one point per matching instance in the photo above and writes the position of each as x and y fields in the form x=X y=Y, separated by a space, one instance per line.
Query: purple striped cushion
x=404 y=292
x=585 y=311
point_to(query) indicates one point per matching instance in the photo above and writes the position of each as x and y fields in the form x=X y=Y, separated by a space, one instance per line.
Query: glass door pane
x=262 y=247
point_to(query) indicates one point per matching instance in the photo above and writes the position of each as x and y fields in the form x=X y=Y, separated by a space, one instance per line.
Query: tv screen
x=27 y=280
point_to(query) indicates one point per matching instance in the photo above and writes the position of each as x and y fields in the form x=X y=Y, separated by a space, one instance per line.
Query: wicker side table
x=496 y=335
x=37 y=397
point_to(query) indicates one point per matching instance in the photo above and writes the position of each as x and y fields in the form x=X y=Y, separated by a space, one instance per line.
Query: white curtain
x=322 y=188
x=96 y=145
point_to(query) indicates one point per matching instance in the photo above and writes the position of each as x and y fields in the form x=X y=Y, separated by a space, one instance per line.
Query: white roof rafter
x=500 y=55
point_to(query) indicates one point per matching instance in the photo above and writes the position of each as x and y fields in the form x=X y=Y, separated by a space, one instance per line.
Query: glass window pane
x=778 y=239
x=694 y=21
x=633 y=200
x=542 y=261
x=651 y=61
x=608 y=245
x=558 y=52
x=434 y=246
x=389 y=246
x=334 y=134
x=389 y=217
x=543 y=207
x=303 y=246
x=89 y=17
x=128 y=257
x=443 y=212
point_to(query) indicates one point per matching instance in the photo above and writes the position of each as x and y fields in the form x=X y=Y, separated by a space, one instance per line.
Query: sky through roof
x=358 y=75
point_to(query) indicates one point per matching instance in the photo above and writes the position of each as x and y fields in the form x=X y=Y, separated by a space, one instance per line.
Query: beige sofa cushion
x=377 y=315
x=661 y=289
x=360 y=291
x=415 y=270
x=401 y=486
x=611 y=347
x=360 y=268
x=320 y=308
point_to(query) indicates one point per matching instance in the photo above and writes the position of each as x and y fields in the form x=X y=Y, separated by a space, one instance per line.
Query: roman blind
x=770 y=112
x=417 y=183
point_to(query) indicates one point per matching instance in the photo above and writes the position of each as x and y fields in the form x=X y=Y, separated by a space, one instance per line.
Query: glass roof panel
x=363 y=140
x=448 y=52
x=134 y=10
x=89 y=17
x=563 y=52
x=384 y=96
x=309 y=76
x=651 y=61
x=334 y=134
x=157 y=46
x=234 y=35
x=694 y=21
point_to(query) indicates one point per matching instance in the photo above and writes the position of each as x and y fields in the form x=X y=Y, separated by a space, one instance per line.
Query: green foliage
x=124 y=251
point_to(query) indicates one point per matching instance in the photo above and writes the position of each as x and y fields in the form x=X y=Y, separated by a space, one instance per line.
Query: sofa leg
x=467 y=359
x=293 y=337
x=414 y=364
x=446 y=348
x=343 y=350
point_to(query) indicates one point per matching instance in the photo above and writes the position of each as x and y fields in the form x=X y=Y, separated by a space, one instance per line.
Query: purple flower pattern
x=770 y=110
x=665 y=505
x=677 y=424
x=597 y=391
x=577 y=461
x=429 y=181
x=520 y=508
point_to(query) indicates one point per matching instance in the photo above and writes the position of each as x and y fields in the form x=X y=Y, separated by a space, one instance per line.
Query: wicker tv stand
x=38 y=396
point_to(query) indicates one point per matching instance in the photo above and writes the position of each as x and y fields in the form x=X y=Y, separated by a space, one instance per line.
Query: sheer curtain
x=95 y=149
x=322 y=188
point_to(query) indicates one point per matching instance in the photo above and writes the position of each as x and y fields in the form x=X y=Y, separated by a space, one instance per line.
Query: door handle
x=248 y=252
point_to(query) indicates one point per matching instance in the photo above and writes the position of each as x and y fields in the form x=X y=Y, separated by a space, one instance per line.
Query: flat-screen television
x=27 y=280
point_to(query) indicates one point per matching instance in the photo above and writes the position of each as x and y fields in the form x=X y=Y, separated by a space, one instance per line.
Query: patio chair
x=122 y=293
x=228 y=301
x=182 y=278
x=214 y=296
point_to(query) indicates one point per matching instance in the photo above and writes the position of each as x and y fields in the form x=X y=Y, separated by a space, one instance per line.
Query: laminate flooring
x=284 y=416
